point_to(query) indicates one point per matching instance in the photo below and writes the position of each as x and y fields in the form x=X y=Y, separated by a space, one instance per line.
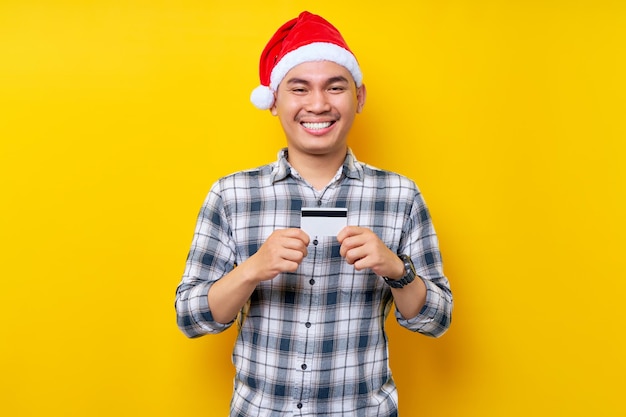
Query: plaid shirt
x=312 y=342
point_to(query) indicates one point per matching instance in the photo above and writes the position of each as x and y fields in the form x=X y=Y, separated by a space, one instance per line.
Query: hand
x=283 y=251
x=362 y=248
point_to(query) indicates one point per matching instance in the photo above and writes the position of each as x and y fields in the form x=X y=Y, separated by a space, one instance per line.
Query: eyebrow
x=331 y=80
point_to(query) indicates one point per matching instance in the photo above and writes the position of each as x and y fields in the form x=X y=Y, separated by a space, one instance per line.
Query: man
x=310 y=301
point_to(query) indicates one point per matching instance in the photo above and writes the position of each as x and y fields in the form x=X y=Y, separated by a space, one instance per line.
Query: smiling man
x=311 y=304
x=316 y=105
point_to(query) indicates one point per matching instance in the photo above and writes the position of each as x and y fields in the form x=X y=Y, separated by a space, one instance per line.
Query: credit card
x=323 y=221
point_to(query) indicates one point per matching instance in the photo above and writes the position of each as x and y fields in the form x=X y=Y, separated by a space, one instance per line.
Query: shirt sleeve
x=421 y=244
x=211 y=256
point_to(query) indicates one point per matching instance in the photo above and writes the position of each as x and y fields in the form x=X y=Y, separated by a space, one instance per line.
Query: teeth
x=314 y=126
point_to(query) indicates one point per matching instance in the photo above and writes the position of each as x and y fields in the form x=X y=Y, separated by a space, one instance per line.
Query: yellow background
x=116 y=116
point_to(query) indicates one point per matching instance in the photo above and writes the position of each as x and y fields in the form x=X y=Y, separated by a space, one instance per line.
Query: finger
x=355 y=254
x=289 y=238
x=361 y=264
x=279 y=247
x=291 y=242
x=296 y=233
x=352 y=242
x=347 y=232
x=288 y=266
x=293 y=255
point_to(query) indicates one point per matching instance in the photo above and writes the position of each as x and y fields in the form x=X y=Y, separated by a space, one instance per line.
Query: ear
x=361 y=93
x=273 y=109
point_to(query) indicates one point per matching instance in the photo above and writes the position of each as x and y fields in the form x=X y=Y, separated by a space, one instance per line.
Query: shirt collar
x=282 y=169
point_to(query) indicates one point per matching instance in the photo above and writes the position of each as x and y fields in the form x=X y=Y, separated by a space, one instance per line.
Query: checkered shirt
x=312 y=342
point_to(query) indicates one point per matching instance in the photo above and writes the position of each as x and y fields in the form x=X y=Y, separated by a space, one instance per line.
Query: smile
x=317 y=125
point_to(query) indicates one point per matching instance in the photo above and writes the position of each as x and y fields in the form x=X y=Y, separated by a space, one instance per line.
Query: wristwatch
x=409 y=274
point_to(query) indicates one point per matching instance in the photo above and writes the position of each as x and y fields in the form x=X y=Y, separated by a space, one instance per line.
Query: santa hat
x=304 y=39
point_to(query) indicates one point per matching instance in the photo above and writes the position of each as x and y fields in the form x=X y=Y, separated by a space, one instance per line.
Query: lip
x=318 y=128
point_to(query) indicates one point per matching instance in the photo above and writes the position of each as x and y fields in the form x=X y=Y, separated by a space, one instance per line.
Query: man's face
x=316 y=103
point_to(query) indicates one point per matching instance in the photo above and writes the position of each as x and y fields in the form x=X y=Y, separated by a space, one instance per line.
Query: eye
x=336 y=88
x=298 y=90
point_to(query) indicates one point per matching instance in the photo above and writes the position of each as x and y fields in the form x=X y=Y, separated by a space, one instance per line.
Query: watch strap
x=409 y=275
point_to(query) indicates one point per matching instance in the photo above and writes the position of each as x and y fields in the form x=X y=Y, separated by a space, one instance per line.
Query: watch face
x=408 y=265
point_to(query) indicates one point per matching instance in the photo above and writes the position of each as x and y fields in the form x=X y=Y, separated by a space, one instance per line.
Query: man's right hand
x=283 y=251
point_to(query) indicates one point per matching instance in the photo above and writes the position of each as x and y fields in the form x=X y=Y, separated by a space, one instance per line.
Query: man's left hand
x=362 y=248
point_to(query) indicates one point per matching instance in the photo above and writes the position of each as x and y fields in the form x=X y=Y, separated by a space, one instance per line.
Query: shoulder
x=378 y=177
x=243 y=179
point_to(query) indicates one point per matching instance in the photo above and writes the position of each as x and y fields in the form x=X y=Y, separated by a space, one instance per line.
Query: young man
x=308 y=254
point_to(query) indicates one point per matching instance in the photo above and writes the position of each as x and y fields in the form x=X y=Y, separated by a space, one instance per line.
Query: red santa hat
x=304 y=39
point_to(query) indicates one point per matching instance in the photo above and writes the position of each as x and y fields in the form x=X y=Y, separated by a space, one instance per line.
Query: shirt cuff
x=200 y=311
x=431 y=318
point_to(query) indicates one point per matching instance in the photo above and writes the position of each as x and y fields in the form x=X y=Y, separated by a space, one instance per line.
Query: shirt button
x=299 y=405
x=307 y=324
x=311 y=281
x=303 y=366
x=315 y=242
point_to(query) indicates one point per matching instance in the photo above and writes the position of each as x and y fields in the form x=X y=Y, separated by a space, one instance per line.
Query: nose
x=317 y=102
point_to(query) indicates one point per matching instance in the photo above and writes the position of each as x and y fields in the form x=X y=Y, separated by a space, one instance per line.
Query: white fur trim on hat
x=316 y=51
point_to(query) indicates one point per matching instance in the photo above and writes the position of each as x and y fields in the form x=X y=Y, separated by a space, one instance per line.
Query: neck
x=317 y=170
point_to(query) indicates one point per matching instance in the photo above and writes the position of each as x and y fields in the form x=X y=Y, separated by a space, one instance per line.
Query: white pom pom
x=262 y=97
